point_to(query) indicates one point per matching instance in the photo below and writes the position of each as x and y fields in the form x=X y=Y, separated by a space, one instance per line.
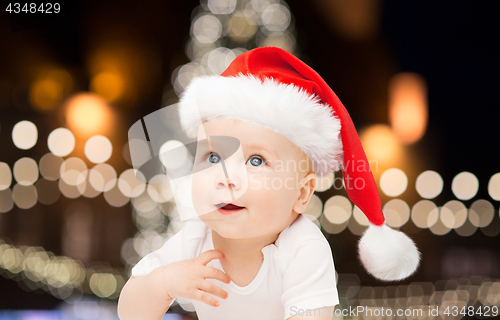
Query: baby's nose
x=226 y=183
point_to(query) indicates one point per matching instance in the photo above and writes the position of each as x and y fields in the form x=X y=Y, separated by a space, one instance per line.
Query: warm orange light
x=87 y=114
x=109 y=85
x=408 y=106
x=49 y=89
x=45 y=93
x=380 y=144
x=357 y=20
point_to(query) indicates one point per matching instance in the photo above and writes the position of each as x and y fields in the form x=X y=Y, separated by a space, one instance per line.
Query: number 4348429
x=33 y=8
x=485 y=311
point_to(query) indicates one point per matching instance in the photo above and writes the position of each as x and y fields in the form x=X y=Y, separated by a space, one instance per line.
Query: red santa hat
x=272 y=88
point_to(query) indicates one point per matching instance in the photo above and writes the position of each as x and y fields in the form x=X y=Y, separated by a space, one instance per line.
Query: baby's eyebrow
x=261 y=147
x=207 y=144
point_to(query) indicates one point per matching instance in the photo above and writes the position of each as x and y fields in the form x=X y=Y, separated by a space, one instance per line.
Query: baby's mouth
x=228 y=206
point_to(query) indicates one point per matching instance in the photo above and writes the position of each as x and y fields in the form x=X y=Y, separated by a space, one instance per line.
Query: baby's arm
x=149 y=296
x=144 y=297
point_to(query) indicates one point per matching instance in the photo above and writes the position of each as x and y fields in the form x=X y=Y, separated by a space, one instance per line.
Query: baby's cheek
x=258 y=181
x=200 y=188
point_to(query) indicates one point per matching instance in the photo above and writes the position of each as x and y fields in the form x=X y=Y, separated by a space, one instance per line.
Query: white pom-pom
x=388 y=254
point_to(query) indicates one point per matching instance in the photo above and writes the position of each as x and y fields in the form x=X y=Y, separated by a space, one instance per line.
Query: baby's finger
x=205 y=298
x=214 y=273
x=207 y=256
x=209 y=287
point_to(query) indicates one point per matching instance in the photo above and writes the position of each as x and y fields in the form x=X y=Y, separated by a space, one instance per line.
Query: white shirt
x=297 y=273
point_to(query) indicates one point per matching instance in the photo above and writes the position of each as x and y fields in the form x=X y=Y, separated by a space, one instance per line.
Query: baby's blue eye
x=256 y=161
x=213 y=158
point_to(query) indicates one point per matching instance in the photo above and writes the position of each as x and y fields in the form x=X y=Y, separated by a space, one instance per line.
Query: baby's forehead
x=250 y=136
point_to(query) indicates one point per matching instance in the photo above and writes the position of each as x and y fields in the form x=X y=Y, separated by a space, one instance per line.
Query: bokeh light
x=49 y=88
x=69 y=191
x=242 y=26
x=465 y=185
x=102 y=177
x=131 y=186
x=218 y=59
x=126 y=154
x=145 y=205
x=25 y=171
x=24 y=135
x=48 y=191
x=429 y=184
x=5 y=176
x=12 y=259
x=73 y=171
x=109 y=85
x=439 y=228
x=147 y=241
x=98 y=149
x=182 y=76
x=424 y=214
x=358 y=21
x=494 y=187
x=408 y=106
x=284 y=40
x=115 y=197
x=87 y=114
x=159 y=189
x=358 y=223
x=45 y=94
x=360 y=217
x=103 y=284
x=6 y=201
x=276 y=17
x=380 y=144
x=332 y=228
x=481 y=213
x=237 y=25
x=128 y=253
x=87 y=190
x=314 y=207
x=467 y=229
x=24 y=197
x=338 y=209
x=206 y=28
x=324 y=183
x=493 y=229
x=396 y=213
x=221 y=6
x=61 y=142
x=453 y=214
x=393 y=182
x=50 y=166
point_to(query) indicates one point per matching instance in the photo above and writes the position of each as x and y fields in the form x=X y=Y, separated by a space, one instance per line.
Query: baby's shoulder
x=300 y=233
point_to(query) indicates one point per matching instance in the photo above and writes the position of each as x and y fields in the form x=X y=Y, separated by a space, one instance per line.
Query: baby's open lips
x=228 y=206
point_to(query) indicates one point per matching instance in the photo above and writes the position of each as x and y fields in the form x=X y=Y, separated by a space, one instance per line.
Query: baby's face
x=253 y=168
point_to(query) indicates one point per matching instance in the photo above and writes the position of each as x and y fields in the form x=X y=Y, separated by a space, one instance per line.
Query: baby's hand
x=187 y=279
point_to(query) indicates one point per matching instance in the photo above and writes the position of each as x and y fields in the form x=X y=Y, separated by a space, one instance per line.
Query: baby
x=270 y=125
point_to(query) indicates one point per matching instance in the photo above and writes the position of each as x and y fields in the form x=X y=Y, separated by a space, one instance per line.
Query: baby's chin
x=225 y=229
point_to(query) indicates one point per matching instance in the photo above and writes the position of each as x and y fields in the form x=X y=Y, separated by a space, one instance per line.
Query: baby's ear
x=306 y=189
